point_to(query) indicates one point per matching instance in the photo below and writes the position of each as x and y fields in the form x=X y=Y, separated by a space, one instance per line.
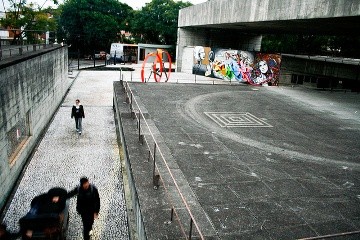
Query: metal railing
x=11 y=51
x=153 y=151
x=89 y=61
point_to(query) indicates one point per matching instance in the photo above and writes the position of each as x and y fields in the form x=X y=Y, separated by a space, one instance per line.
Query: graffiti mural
x=243 y=66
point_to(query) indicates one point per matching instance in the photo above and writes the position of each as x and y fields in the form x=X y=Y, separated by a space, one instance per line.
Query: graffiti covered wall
x=247 y=67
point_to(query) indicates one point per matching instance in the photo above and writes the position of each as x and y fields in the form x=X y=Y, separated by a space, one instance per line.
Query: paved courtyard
x=252 y=162
x=256 y=163
x=63 y=157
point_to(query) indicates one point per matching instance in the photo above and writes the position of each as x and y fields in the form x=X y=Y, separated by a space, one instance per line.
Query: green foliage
x=25 y=21
x=312 y=45
x=157 y=22
x=92 y=24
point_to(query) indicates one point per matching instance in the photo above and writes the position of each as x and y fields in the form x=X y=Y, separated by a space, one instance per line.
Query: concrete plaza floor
x=251 y=162
x=63 y=156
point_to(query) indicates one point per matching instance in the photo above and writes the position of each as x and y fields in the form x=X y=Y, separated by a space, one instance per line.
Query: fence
x=156 y=155
x=96 y=59
x=78 y=61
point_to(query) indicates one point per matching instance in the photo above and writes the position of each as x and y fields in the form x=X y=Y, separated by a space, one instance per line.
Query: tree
x=92 y=24
x=312 y=45
x=27 y=21
x=157 y=22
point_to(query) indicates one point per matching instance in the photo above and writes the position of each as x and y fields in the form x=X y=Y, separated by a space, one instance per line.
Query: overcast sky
x=135 y=4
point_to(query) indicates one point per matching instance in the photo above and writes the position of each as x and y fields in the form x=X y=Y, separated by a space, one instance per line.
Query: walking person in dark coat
x=88 y=204
x=77 y=111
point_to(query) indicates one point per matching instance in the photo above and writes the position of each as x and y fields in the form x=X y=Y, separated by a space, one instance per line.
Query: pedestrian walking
x=87 y=205
x=77 y=112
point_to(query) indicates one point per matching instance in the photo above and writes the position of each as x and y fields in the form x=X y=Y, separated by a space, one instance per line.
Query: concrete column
x=189 y=37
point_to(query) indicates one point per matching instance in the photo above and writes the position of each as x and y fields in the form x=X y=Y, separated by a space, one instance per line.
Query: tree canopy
x=157 y=22
x=27 y=21
x=92 y=24
x=312 y=45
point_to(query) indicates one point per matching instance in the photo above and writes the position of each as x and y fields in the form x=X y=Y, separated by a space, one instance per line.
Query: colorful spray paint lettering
x=243 y=66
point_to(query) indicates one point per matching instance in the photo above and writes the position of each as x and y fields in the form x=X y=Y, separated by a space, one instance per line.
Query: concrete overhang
x=334 y=26
x=324 y=17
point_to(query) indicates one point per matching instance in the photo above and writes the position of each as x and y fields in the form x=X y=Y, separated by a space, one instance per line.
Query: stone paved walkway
x=262 y=163
x=63 y=157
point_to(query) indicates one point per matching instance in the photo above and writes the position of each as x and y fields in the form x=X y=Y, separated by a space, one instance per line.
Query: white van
x=123 y=52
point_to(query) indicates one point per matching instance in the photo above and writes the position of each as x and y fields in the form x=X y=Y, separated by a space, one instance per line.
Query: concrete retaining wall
x=326 y=68
x=31 y=88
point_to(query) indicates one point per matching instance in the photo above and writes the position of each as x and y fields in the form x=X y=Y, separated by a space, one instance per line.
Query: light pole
x=78 y=50
x=0 y=49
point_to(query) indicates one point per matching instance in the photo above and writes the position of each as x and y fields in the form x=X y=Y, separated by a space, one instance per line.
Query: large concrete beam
x=319 y=16
x=227 y=11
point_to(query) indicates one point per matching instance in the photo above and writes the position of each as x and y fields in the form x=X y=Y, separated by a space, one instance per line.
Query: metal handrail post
x=94 y=58
x=154 y=160
x=190 y=231
x=172 y=214
x=131 y=106
x=125 y=89
x=78 y=59
x=139 y=129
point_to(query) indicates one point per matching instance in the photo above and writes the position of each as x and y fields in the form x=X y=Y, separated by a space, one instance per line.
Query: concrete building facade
x=233 y=24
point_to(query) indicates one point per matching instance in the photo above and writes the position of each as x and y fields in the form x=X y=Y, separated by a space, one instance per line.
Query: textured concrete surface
x=294 y=174
x=265 y=12
x=262 y=163
x=63 y=157
x=240 y=25
x=32 y=86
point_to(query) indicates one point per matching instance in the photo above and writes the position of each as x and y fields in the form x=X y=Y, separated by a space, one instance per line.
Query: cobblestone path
x=63 y=157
